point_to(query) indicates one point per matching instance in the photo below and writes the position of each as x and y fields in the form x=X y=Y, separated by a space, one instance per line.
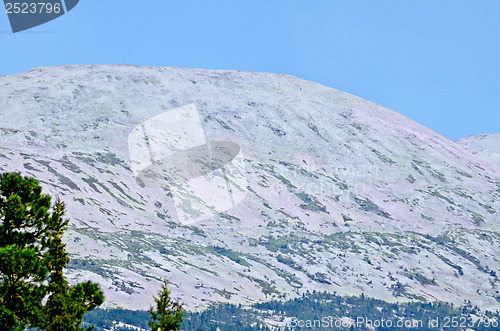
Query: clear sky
x=437 y=61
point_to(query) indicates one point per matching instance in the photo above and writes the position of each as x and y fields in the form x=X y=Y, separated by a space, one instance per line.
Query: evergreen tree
x=168 y=314
x=33 y=289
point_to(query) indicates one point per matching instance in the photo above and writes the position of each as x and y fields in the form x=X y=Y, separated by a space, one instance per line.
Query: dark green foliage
x=316 y=305
x=311 y=203
x=224 y=317
x=288 y=261
x=104 y=319
x=168 y=313
x=369 y=206
x=231 y=255
x=33 y=289
x=311 y=306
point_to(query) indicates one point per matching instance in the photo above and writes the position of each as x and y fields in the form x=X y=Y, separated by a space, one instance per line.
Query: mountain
x=342 y=195
x=486 y=146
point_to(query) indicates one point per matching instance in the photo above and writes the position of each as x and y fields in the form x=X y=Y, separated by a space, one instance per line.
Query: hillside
x=342 y=194
x=486 y=146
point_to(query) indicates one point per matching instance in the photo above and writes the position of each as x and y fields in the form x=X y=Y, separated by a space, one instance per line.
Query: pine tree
x=168 y=314
x=33 y=289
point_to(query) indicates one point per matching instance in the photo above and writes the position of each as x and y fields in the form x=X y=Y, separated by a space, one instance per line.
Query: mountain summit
x=341 y=194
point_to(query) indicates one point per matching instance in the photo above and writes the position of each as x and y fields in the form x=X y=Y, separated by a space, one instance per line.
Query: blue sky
x=437 y=62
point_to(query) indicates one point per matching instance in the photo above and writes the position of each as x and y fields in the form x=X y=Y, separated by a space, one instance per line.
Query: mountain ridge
x=343 y=194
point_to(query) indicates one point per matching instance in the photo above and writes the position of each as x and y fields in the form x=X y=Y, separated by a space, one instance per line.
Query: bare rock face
x=341 y=194
x=485 y=146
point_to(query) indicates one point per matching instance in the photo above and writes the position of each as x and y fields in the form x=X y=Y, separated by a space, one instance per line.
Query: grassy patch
x=488 y=208
x=464 y=174
x=289 y=262
x=232 y=255
x=278 y=132
x=428 y=218
x=382 y=157
x=369 y=206
x=478 y=219
x=314 y=128
x=311 y=202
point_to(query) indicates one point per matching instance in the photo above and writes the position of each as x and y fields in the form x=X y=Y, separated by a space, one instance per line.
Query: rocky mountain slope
x=486 y=146
x=342 y=194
